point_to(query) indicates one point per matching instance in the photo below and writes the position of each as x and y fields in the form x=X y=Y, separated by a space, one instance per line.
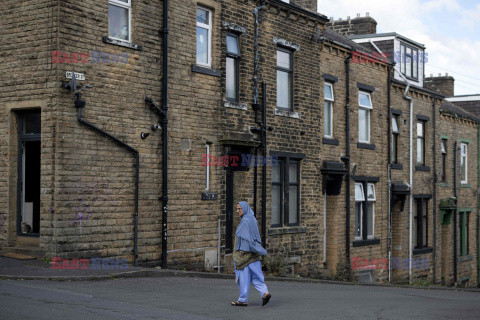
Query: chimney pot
x=358 y=15
x=446 y=74
x=431 y=75
x=367 y=14
x=439 y=74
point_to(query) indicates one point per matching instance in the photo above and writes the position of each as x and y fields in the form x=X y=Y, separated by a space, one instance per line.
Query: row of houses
x=356 y=166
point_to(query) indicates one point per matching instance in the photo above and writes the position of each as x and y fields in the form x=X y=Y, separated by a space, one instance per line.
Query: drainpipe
x=410 y=234
x=346 y=161
x=264 y=167
x=164 y=122
x=389 y=172
x=256 y=107
x=478 y=208
x=455 y=177
x=434 y=115
x=79 y=104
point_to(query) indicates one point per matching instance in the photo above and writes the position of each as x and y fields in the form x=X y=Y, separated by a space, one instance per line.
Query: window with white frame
x=328 y=118
x=463 y=162
x=204 y=37
x=119 y=19
x=232 y=68
x=284 y=78
x=207 y=150
x=395 y=134
x=365 y=107
x=421 y=143
x=364 y=211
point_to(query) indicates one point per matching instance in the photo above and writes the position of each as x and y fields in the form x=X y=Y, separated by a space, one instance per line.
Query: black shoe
x=266 y=299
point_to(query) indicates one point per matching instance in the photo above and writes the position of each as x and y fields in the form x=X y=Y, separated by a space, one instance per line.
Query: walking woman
x=247 y=256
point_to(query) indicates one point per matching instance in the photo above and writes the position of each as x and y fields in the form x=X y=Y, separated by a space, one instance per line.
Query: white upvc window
x=371 y=198
x=359 y=199
x=365 y=107
x=207 y=150
x=204 y=37
x=119 y=19
x=328 y=119
x=463 y=162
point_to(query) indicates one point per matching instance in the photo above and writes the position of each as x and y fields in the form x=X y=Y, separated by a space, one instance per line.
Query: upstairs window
x=365 y=107
x=409 y=61
x=328 y=118
x=463 y=163
x=421 y=143
x=395 y=134
x=232 y=68
x=119 y=17
x=284 y=78
x=444 y=160
x=204 y=37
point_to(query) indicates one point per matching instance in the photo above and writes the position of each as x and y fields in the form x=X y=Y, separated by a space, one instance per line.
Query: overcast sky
x=449 y=29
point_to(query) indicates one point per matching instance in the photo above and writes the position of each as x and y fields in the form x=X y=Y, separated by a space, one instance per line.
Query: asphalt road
x=199 y=298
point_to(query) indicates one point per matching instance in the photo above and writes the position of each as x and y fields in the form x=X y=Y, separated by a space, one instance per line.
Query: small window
x=365 y=106
x=204 y=37
x=119 y=17
x=421 y=143
x=444 y=159
x=395 y=135
x=463 y=163
x=464 y=233
x=232 y=68
x=284 y=79
x=328 y=119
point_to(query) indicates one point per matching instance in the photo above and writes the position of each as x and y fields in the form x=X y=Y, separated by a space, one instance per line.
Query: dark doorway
x=29 y=150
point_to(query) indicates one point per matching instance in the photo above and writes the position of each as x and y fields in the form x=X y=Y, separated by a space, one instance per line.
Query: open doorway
x=28 y=192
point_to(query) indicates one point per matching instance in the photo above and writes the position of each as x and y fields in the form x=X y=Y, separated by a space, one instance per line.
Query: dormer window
x=409 y=61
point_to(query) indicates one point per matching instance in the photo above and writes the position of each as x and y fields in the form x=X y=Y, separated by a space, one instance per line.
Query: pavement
x=36 y=269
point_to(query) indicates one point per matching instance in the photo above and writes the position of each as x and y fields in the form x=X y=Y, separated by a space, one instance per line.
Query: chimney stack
x=441 y=84
x=355 y=26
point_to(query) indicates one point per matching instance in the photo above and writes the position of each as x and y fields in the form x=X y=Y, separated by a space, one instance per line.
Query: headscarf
x=248 y=237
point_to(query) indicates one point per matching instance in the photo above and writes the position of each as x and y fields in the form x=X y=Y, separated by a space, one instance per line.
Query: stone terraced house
x=131 y=128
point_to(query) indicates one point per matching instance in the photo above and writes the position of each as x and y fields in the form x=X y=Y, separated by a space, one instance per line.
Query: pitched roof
x=450 y=108
x=333 y=36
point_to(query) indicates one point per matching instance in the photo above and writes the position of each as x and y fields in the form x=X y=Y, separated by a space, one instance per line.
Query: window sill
x=273 y=231
x=330 y=141
x=396 y=166
x=363 y=243
x=465 y=258
x=121 y=43
x=287 y=113
x=465 y=185
x=209 y=195
x=422 y=168
x=422 y=250
x=363 y=145
x=206 y=70
x=235 y=105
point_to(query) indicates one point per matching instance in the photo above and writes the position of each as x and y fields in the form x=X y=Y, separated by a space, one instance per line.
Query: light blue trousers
x=251 y=274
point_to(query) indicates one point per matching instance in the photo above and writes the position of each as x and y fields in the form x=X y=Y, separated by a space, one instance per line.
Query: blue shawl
x=248 y=237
